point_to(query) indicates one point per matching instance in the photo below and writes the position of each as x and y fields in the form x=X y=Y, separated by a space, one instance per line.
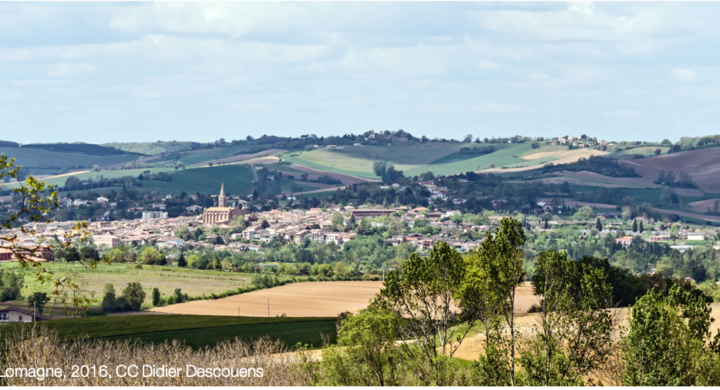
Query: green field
x=643 y=150
x=412 y=158
x=545 y=148
x=194 y=331
x=166 y=278
x=197 y=157
x=109 y=174
x=39 y=161
x=237 y=178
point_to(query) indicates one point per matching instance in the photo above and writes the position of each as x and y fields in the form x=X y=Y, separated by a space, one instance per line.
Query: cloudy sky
x=100 y=72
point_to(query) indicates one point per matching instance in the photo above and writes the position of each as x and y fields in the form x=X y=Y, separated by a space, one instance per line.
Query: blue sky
x=101 y=72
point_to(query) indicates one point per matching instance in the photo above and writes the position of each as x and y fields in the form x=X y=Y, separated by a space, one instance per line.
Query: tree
x=598 y=225
x=657 y=151
x=265 y=224
x=667 y=342
x=495 y=270
x=585 y=213
x=156 y=297
x=421 y=298
x=108 y=302
x=181 y=261
x=151 y=255
x=574 y=332
x=179 y=296
x=96 y=168
x=534 y=144
x=366 y=354
x=468 y=139
x=134 y=295
x=640 y=227
x=634 y=225
x=37 y=301
x=337 y=221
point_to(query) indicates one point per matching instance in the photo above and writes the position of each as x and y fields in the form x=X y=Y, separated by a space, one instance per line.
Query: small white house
x=14 y=314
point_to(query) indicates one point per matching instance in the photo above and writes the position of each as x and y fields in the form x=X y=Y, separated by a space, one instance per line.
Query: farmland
x=703 y=165
x=165 y=278
x=237 y=178
x=308 y=299
x=44 y=162
x=194 y=331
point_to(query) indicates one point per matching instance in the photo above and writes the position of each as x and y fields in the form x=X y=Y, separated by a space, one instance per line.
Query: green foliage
x=37 y=301
x=10 y=285
x=421 y=298
x=574 y=334
x=365 y=354
x=152 y=256
x=585 y=213
x=108 y=304
x=156 y=297
x=133 y=295
x=495 y=270
x=660 y=348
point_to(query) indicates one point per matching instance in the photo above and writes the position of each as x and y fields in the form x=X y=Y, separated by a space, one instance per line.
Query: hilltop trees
x=386 y=171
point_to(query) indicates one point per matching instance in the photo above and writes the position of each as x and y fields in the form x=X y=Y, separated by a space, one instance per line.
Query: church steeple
x=222 y=198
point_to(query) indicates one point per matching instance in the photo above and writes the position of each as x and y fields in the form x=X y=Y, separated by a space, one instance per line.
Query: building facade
x=221 y=214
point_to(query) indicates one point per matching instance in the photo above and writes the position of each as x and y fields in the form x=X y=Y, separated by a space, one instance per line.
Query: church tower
x=222 y=198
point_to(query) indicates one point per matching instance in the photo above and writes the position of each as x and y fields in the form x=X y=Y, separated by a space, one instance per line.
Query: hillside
x=39 y=161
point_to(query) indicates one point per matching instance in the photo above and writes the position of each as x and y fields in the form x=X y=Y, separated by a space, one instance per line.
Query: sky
x=141 y=71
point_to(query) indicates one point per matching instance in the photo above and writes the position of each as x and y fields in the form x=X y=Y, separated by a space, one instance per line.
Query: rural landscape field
x=357 y=194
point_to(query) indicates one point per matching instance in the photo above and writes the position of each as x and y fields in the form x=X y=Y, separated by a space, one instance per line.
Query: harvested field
x=308 y=299
x=703 y=166
x=585 y=178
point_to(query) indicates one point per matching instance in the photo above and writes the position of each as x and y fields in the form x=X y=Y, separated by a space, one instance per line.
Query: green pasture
x=193 y=330
x=193 y=282
x=237 y=178
x=198 y=157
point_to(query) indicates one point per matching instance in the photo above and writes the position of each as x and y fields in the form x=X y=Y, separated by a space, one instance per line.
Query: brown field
x=703 y=165
x=701 y=206
x=308 y=299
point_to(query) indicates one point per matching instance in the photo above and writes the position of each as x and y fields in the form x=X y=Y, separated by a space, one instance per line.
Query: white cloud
x=684 y=75
x=583 y=7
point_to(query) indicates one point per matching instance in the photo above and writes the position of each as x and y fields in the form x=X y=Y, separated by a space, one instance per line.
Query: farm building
x=13 y=314
x=370 y=213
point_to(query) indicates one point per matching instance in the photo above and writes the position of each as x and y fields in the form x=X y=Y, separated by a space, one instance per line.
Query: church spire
x=221 y=198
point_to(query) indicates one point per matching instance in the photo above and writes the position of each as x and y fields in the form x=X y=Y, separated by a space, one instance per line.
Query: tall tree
x=495 y=271
x=421 y=297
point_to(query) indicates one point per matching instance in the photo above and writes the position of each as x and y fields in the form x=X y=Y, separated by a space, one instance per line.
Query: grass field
x=412 y=158
x=58 y=162
x=200 y=156
x=643 y=150
x=194 y=331
x=237 y=179
x=165 y=278
x=109 y=174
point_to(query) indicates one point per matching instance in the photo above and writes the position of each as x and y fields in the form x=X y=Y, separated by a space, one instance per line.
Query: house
x=109 y=241
x=5 y=254
x=154 y=214
x=624 y=241
x=370 y=213
x=102 y=199
x=14 y=314
x=695 y=236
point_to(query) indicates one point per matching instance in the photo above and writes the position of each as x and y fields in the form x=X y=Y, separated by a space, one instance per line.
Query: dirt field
x=565 y=157
x=701 y=206
x=703 y=165
x=309 y=299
